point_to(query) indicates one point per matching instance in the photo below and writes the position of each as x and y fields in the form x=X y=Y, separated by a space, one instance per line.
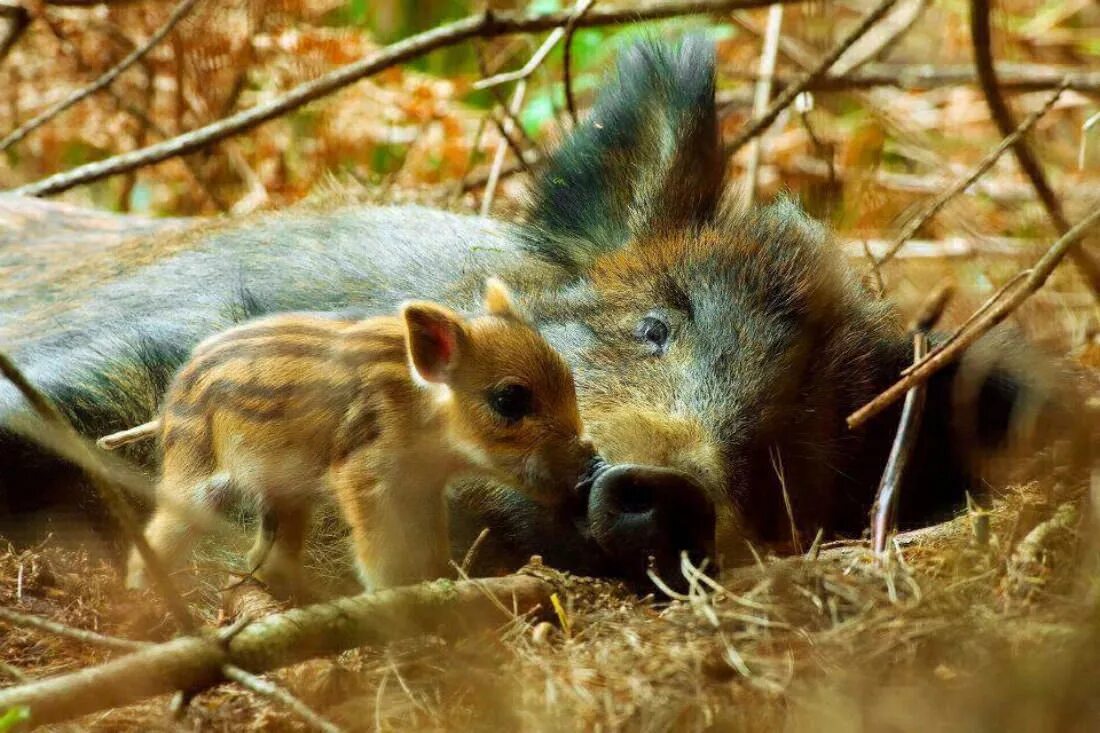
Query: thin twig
x=504 y=112
x=106 y=79
x=460 y=187
x=768 y=54
x=137 y=114
x=981 y=36
x=567 y=57
x=483 y=25
x=876 y=271
x=777 y=466
x=92 y=638
x=18 y=20
x=965 y=182
x=824 y=151
x=274 y=693
x=942 y=357
x=116 y=503
x=14 y=672
x=885 y=509
x=982 y=310
x=788 y=95
x=527 y=69
x=924 y=77
x=514 y=107
x=471 y=554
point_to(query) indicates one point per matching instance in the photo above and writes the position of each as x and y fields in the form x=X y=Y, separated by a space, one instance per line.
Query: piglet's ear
x=499 y=300
x=435 y=337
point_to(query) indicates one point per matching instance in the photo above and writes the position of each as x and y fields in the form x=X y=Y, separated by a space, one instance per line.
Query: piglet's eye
x=653 y=331
x=513 y=402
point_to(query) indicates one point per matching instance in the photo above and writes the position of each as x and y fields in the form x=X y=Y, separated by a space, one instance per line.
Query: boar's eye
x=511 y=401
x=653 y=331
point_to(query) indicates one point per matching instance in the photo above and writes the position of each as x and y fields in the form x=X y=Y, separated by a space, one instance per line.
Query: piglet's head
x=509 y=397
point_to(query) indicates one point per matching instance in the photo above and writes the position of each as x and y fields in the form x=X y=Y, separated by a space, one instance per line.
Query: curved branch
x=981 y=36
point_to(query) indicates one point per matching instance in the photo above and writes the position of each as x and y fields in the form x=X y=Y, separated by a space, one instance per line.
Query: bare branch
x=100 y=477
x=273 y=692
x=763 y=94
x=105 y=80
x=567 y=57
x=529 y=68
x=513 y=109
x=788 y=95
x=923 y=77
x=15 y=618
x=485 y=25
x=991 y=301
x=885 y=509
x=18 y=20
x=138 y=114
x=940 y=358
x=981 y=37
x=446 y=608
x=963 y=183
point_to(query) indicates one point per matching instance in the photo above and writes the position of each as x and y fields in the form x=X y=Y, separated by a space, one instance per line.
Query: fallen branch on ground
x=273 y=692
x=961 y=341
x=484 y=25
x=446 y=608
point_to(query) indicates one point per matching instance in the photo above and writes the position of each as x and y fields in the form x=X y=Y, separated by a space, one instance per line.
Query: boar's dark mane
x=647 y=154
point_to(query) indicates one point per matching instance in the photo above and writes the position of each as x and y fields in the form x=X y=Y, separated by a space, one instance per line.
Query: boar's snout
x=637 y=512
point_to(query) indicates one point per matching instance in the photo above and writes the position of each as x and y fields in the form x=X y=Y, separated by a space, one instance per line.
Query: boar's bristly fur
x=716 y=352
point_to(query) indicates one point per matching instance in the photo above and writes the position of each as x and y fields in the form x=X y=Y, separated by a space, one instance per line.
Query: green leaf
x=14 y=717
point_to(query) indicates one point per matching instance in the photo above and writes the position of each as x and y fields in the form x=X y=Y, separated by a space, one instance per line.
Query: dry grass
x=964 y=628
x=985 y=623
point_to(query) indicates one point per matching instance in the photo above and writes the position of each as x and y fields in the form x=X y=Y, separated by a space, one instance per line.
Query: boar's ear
x=435 y=337
x=499 y=300
x=647 y=156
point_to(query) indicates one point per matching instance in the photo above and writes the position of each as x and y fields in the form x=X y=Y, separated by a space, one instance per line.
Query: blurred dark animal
x=716 y=352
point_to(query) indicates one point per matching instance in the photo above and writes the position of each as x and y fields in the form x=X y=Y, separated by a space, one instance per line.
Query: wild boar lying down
x=716 y=353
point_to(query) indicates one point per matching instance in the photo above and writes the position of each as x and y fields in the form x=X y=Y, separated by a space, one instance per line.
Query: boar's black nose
x=637 y=512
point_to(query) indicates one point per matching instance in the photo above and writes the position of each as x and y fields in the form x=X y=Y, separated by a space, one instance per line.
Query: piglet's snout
x=637 y=512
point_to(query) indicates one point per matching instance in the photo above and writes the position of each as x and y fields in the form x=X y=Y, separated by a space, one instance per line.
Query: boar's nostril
x=638 y=512
x=633 y=498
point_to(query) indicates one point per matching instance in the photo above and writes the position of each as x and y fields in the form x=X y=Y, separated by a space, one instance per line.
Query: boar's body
x=716 y=353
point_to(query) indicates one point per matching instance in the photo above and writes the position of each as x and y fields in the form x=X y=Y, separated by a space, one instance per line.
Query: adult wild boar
x=716 y=353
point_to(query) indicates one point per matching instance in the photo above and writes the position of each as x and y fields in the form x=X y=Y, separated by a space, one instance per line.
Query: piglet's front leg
x=399 y=528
